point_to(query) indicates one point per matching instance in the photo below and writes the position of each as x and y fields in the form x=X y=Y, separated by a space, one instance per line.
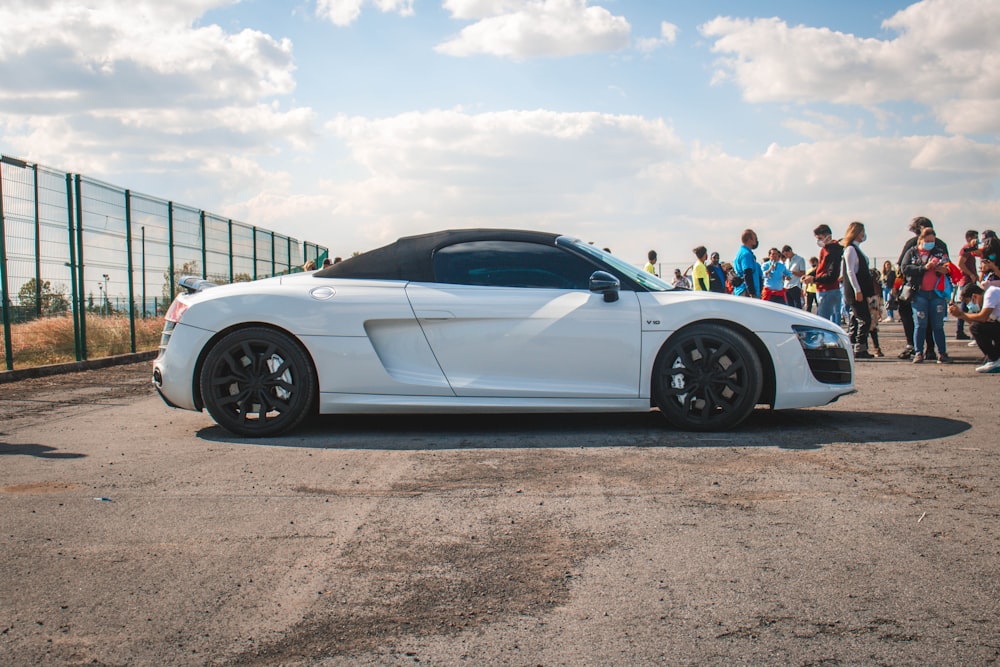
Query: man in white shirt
x=796 y=266
x=983 y=326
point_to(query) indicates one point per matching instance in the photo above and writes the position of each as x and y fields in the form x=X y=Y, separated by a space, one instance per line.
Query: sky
x=633 y=124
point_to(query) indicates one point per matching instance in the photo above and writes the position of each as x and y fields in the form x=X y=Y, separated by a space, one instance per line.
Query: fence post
x=142 y=255
x=38 y=248
x=204 y=252
x=170 y=252
x=254 y=232
x=8 y=347
x=74 y=303
x=79 y=266
x=131 y=267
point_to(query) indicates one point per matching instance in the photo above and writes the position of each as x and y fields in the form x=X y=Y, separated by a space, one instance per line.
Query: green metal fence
x=87 y=269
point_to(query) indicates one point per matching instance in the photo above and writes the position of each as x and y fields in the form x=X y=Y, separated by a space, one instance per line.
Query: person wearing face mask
x=923 y=265
x=983 y=324
x=746 y=267
x=904 y=308
x=827 y=276
x=858 y=288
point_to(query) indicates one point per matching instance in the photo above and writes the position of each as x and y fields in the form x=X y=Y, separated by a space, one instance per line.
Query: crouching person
x=983 y=325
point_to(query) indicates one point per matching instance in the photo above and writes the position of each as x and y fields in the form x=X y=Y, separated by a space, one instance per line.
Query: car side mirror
x=602 y=281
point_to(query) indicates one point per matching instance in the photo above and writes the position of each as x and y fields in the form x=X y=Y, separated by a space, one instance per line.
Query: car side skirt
x=334 y=403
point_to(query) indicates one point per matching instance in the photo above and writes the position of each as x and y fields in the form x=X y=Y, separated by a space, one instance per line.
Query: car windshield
x=644 y=278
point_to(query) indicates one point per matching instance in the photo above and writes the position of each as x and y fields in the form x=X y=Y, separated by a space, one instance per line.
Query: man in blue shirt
x=775 y=274
x=746 y=267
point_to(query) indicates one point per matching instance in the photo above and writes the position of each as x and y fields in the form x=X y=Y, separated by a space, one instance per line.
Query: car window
x=511 y=264
x=627 y=272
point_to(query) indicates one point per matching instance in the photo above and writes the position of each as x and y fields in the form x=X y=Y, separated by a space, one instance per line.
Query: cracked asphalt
x=864 y=532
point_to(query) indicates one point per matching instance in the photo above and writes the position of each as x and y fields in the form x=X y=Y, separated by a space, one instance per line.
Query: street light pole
x=143 y=228
x=107 y=295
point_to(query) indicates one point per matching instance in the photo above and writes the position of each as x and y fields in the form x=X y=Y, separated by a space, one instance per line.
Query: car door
x=516 y=319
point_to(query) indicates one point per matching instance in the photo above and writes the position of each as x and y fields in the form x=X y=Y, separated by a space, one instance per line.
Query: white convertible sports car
x=485 y=320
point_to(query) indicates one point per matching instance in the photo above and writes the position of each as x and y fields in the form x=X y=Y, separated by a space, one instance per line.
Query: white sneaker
x=973 y=343
x=989 y=367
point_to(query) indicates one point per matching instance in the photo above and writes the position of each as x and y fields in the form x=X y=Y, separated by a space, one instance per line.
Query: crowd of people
x=921 y=289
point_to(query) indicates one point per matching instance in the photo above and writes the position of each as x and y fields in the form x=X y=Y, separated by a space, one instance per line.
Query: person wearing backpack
x=716 y=275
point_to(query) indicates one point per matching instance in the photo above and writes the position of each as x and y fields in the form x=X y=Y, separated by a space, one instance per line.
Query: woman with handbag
x=925 y=265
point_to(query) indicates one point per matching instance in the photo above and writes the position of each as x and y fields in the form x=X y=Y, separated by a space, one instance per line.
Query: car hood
x=756 y=314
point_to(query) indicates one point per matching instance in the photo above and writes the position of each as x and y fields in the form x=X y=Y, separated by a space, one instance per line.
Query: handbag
x=906 y=293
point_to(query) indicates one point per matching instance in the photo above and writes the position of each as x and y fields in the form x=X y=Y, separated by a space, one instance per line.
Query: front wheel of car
x=258 y=382
x=707 y=378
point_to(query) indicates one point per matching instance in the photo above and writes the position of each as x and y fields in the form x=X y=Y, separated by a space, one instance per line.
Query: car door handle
x=434 y=315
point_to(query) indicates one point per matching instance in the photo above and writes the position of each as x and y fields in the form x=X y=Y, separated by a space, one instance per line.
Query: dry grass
x=50 y=340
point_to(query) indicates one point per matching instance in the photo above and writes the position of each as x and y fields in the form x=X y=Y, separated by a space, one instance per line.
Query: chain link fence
x=87 y=269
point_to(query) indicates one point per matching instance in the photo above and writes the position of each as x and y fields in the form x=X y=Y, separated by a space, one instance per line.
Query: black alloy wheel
x=707 y=378
x=258 y=382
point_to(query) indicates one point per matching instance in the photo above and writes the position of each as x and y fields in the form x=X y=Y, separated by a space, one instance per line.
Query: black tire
x=707 y=378
x=258 y=382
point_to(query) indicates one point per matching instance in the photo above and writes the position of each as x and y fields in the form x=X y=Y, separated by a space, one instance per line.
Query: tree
x=52 y=302
x=170 y=289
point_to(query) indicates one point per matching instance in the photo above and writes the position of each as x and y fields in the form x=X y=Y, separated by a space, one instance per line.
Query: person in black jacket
x=924 y=265
x=905 y=308
x=827 y=276
x=716 y=276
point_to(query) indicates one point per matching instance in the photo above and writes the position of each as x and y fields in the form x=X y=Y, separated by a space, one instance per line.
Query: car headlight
x=814 y=338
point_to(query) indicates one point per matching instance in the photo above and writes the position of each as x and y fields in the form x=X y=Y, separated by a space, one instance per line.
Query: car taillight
x=176 y=311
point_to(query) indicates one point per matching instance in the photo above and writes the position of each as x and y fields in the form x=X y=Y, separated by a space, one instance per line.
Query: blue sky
x=632 y=124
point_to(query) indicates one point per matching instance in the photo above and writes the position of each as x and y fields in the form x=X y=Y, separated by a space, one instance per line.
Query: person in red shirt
x=827 y=277
x=967 y=263
x=923 y=265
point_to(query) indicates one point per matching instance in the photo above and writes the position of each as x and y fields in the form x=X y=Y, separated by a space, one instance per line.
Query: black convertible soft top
x=410 y=258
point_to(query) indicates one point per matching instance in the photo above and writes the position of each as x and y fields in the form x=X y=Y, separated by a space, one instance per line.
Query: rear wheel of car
x=707 y=378
x=258 y=382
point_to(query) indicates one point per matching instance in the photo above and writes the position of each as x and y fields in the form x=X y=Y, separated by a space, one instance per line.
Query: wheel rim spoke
x=704 y=380
x=245 y=384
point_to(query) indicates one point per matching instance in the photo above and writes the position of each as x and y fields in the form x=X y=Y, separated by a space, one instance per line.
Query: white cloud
x=668 y=36
x=131 y=50
x=345 y=12
x=522 y=29
x=818 y=126
x=440 y=169
x=944 y=57
x=479 y=9
x=141 y=88
x=629 y=183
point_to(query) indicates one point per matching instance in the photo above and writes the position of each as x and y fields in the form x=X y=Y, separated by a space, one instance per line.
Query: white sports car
x=487 y=320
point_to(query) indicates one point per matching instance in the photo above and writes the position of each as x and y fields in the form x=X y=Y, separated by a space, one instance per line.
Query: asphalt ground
x=864 y=532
